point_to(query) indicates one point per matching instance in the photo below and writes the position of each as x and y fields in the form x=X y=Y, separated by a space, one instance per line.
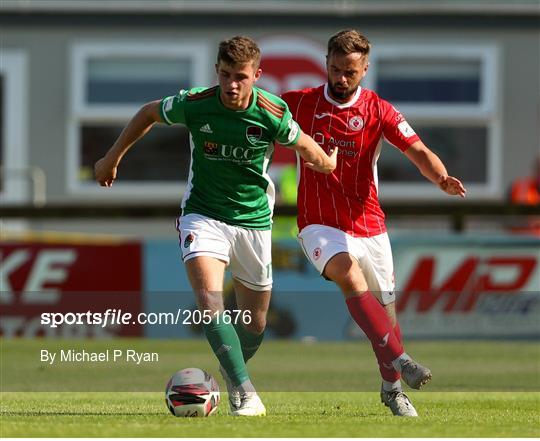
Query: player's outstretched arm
x=433 y=169
x=314 y=156
x=105 y=169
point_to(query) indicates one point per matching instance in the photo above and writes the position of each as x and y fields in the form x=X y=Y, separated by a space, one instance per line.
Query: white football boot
x=250 y=405
x=398 y=402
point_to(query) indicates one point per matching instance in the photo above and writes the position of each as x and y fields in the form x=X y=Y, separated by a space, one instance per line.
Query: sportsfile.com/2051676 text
x=112 y=317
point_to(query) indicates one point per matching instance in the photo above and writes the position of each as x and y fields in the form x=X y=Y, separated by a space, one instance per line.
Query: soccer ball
x=192 y=392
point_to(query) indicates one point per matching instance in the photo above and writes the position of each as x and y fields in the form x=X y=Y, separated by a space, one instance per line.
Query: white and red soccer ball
x=192 y=392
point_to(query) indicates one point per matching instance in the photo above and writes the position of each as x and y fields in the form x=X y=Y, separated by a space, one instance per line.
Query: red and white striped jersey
x=346 y=199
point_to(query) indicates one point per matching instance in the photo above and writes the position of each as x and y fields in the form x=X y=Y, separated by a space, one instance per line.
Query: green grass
x=305 y=414
x=480 y=389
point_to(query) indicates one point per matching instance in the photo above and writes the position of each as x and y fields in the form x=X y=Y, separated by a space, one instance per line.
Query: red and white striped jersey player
x=342 y=226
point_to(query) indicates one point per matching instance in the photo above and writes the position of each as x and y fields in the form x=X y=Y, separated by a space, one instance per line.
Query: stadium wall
x=53 y=109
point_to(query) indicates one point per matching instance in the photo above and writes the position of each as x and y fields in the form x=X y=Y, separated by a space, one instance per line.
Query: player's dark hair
x=347 y=42
x=239 y=50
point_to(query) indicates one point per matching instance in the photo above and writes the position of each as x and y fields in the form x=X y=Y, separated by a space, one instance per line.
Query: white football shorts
x=374 y=255
x=248 y=253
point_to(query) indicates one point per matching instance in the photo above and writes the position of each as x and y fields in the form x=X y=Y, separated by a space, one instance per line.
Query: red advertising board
x=469 y=291
x=462 y=286
x=38 y=279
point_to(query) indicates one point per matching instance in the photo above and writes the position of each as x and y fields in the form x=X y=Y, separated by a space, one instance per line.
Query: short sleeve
x=395 y=128
x=173 y=108
x=288 y=130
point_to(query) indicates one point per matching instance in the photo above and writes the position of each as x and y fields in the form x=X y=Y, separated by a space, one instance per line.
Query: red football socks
x=370 y=315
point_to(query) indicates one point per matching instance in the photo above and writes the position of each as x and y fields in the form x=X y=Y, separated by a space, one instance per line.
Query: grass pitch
x=480 y=389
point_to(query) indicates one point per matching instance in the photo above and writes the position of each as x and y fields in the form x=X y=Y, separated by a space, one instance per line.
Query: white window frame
x=485 y=112
x=15 y=176
x=83 y=112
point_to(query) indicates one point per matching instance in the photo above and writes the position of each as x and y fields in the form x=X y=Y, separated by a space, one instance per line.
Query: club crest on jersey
x=317 y=253
x=189 y=240
x=356 y=123
x=210 y=148
x=253 y=134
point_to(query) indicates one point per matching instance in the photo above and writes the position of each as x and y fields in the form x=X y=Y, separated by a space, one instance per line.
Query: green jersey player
x=227 y=207
x=231 y=152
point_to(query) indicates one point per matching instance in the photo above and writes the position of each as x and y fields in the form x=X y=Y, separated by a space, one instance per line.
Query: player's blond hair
x=347 y=42
x=239 y=50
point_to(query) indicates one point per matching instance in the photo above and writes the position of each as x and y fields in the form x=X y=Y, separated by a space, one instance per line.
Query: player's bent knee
x=343 y=269
x=351 y=284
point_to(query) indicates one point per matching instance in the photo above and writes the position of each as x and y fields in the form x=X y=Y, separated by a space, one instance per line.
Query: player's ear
x=258 y=73
x=365 y=70
x=216 y=66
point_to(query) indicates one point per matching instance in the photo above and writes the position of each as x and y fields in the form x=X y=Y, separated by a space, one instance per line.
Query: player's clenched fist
x=105 y=172
x=333 y=158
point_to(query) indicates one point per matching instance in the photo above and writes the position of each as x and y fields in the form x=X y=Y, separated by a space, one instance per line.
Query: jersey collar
x=349 y=103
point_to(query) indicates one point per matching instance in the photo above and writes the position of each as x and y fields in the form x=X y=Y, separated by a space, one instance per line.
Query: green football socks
x=226 y=345
x=249 y=342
